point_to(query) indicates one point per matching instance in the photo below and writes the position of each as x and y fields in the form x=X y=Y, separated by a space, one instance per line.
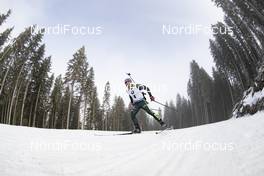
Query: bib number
x=133 y=93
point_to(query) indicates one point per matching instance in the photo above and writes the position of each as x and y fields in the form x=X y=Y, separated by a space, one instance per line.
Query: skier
x=138 y=101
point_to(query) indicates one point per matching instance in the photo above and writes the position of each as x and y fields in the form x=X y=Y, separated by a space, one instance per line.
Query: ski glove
x=152 y=98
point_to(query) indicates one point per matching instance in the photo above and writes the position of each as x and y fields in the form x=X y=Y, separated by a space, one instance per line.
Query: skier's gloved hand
x=131 y=106
x=152 y=98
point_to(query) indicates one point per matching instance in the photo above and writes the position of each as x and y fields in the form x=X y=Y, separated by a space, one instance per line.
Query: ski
x=117 y=134
x=128 y=133
x=165 y=129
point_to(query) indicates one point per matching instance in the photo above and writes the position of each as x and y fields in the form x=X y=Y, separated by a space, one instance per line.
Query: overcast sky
x=130 y=38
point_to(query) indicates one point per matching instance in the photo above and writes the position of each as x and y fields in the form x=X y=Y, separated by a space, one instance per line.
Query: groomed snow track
x=230 y=148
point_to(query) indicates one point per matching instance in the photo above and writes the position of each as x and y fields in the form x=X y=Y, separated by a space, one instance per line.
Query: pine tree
x=4 y=36
x=92 y=101
x=75 y=75
x=200 y=90
x=106 y=106
x=118 y=116
x=56 y=102
x=42 y=92
x=95 y=112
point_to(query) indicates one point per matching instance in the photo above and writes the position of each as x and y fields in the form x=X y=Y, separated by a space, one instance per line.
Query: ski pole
x=129 y=74
x=155 y=109
x=165 y=105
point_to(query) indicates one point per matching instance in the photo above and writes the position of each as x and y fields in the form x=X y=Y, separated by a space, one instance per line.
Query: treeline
x=209 y=100
x=238 y=51
x=30 y=95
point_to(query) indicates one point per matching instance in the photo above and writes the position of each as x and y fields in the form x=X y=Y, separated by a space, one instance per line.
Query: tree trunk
x=6 y=111
x=69 y=106
x=14 y=94
x=30 y=112
x=23 y=103
x=36 y=107
x=2 y=113
x=44 y=120
x=56 y=115
x=84 y=112
x=93 y=114
x=79 y=104
x=230 y=88
x=4 y=79
x=15 y=108
x=52 y=119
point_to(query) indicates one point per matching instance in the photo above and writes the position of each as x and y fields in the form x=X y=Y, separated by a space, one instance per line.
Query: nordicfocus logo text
x=65 y=29
x=194 y=29
x=198 y=146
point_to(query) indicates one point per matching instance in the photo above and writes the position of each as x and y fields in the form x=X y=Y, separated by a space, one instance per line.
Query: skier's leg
x=134 y=112
x=146 y=108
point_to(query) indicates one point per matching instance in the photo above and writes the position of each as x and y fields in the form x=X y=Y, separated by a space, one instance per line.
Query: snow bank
x=252 y=98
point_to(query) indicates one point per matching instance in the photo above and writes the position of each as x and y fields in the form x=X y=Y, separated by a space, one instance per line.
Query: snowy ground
x=232 y=148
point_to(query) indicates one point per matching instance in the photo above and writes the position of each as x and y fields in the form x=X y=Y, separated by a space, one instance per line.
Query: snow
x=233 y=147
x=251 y=99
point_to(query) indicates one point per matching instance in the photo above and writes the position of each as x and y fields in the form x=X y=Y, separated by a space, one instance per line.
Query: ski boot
x=163 y=124
x=136 y=130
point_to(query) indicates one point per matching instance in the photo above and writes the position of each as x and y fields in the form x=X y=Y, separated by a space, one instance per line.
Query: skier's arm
x=143 y=87
x=131 y=100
